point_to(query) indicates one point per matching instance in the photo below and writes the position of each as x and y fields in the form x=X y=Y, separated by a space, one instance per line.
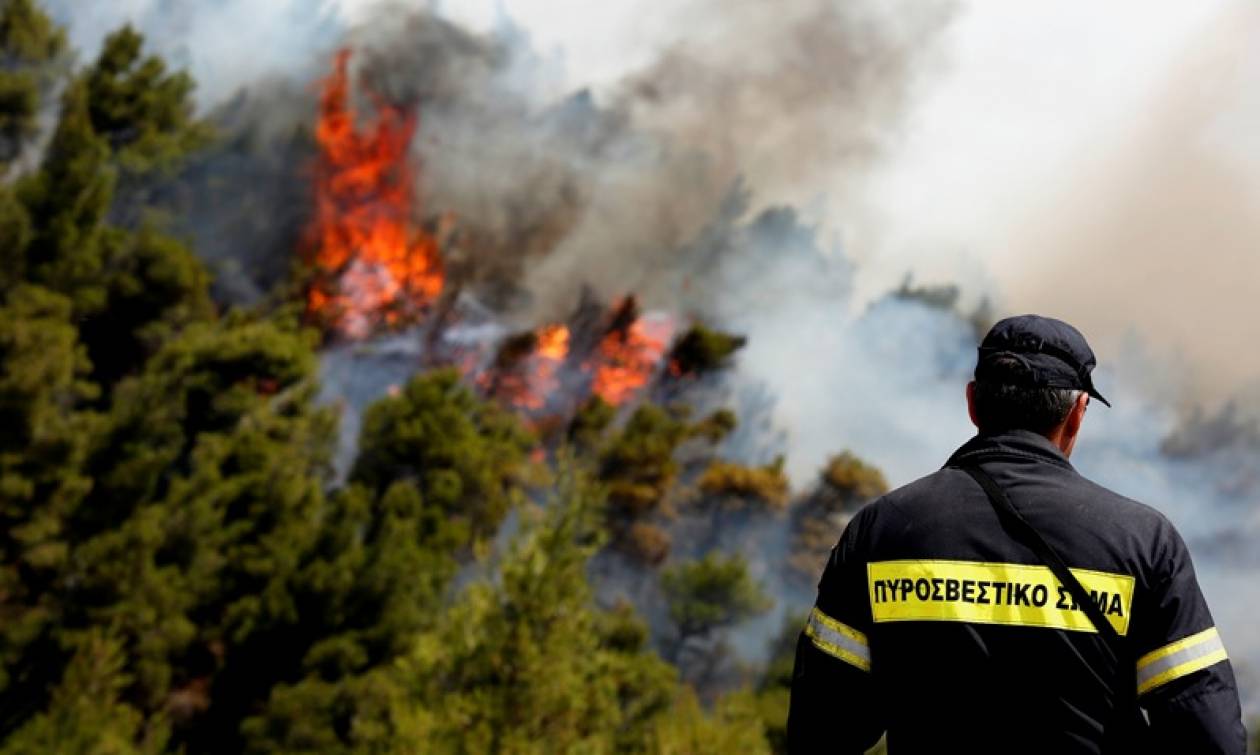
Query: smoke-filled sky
x=1096 y=161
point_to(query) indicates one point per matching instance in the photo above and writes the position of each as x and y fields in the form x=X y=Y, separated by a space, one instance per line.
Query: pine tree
x=713 y=592
x=15 y=235
x=67 y=200
x=144 y=112
x=376 y=578
x=43 y=481
x=30 y=46
x=87 y=714
x=527 y=663
x=465 y=455
x=154 y=287
x=210 y=487
x=130 y=289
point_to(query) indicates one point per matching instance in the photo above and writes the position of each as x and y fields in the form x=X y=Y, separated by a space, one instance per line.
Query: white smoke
x=225 y=45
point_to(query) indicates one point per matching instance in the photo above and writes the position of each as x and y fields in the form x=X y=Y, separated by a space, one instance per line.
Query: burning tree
x=371 y=264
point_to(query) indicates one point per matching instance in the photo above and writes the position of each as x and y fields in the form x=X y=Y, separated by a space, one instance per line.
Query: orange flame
x=538 y=376
x=372 y=266
x=553 y=343
x=527 y=371
x=553 y=349
x=627 y=357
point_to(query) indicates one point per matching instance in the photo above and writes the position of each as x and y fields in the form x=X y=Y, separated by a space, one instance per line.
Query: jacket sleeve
x=1185 y=681
x=833 y=704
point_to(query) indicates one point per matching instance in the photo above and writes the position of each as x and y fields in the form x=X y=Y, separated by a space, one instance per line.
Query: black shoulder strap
x=1132 y=726
x=1032 y=538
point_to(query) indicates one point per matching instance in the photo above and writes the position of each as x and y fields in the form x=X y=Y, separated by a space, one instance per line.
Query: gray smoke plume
x=1108 y=177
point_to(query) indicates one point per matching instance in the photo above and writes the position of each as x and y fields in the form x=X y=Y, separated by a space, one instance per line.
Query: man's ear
x=1076 y=415
x=971 y=404
x=1072 y=424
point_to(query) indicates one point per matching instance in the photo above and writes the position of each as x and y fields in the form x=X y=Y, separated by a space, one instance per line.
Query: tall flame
x=372 y=265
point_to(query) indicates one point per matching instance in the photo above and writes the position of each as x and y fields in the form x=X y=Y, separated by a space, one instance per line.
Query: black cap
x=1052 y=354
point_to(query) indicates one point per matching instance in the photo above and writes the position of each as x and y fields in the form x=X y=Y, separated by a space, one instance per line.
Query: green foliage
x=739 y=484
x=209 y=490
x=29 y=45
x=775 y=686
x=67 y=201
x=15 y=235
x=647 y=542
x=713 y=592
x=640 y=469
x=130 y=290
x=143 y=111
x=154 y=287
x=205 y=490
x=42 y=478
x=590 y=421
x=464 y=454
x=87 y=715
x=853 y=480
x=212 y=380
x=716 y=426
x=27 y=34
x=523 y=662
x=527 y=663
x=734 y=726
x=19 y=104
x=42 y=367
x=638 y=464
x=378 y=575
x=844 y=484
x=703 y=349
x=375 y=579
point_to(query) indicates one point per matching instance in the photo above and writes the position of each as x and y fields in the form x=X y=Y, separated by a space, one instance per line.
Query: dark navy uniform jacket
x=937 y=626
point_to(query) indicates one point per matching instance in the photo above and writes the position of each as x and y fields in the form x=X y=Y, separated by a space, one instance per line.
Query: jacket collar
x=1021 y=444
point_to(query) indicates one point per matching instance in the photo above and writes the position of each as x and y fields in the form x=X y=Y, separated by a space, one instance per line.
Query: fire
x=372 y=265
x=553 y=343
x=627 y=357
x=549 y=356
x=526 y=371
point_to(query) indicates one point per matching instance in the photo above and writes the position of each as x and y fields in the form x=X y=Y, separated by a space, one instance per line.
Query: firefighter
x=940 y=620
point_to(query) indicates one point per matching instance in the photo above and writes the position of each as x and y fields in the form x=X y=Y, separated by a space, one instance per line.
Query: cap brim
x=1094 y=392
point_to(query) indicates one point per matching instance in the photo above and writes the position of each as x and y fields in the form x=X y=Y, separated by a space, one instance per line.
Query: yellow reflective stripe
x=843 y=629
x=981 y=592
x=838 y=640
x=1177 y=659
x=1173 y=647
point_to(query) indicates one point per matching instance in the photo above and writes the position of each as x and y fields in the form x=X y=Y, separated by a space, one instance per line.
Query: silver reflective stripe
x=1175 y=660
x=838 y=640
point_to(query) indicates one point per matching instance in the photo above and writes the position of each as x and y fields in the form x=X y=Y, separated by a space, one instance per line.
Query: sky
x=1099 y=161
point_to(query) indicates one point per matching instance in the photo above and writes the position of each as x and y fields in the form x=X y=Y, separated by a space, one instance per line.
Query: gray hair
x=1005 y=406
